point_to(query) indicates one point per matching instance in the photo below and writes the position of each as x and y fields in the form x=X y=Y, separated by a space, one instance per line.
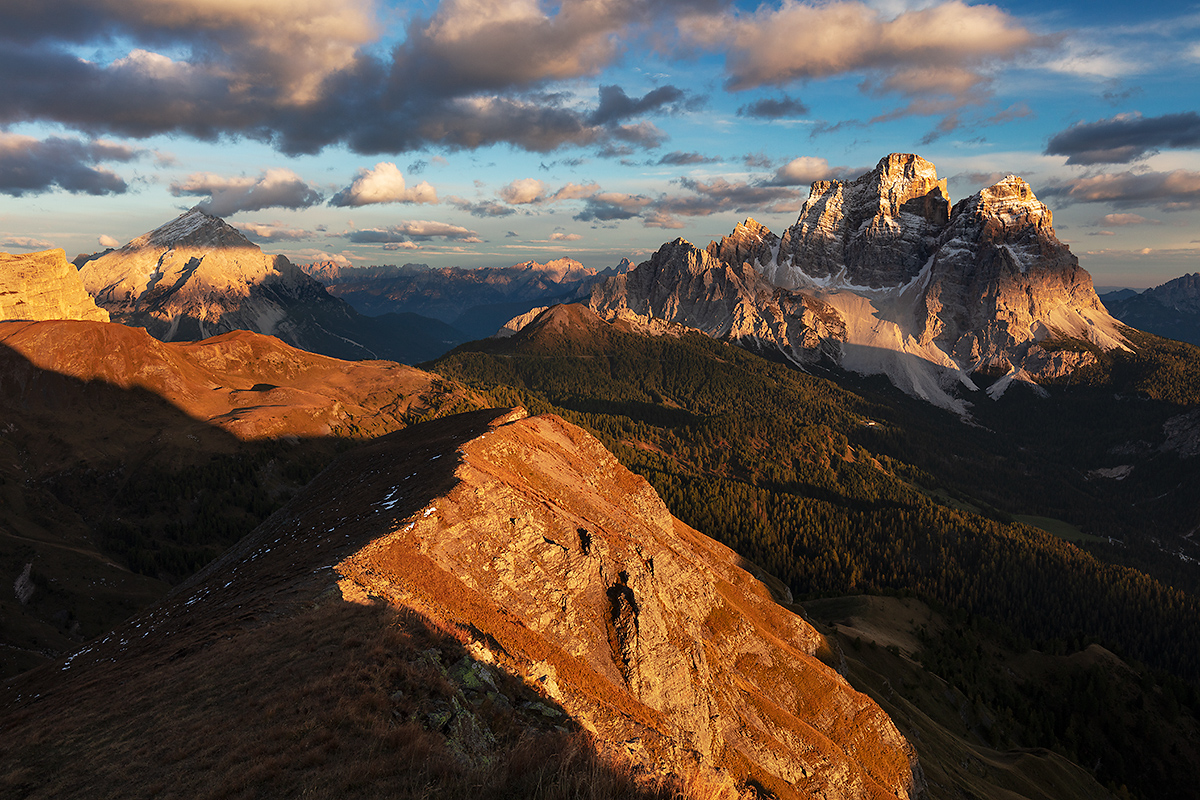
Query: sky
x=491 y=132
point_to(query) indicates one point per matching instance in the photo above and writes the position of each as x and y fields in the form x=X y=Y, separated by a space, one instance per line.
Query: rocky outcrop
x=881 y=276
x=43 y=286
x=663 y=643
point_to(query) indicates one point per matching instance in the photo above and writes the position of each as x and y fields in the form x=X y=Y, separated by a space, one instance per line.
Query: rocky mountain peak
x=1006 y=210
x=901 y=178
x=880 y=276
x=193 y=228
x=877 y=230
x=750 y=242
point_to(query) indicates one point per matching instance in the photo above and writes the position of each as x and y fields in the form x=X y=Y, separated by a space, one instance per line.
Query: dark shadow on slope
x=109 y=495
x=255 y=676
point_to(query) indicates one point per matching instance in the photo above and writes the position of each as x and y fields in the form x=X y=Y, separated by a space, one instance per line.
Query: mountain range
x=881 y=276
x=476 y=302
x=258 y=570
x=197 y=276
x=1171 y=310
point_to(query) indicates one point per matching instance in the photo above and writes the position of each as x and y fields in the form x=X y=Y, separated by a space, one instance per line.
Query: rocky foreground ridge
x=44 y=286
x=881 y=275
x=550 y=563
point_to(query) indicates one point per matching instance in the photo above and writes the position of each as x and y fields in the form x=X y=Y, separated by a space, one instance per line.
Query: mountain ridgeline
x=197 y=276
x=881 y=276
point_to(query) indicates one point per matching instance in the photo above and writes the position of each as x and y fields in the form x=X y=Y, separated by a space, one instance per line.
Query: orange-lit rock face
x=567 y=569
x=40 y=286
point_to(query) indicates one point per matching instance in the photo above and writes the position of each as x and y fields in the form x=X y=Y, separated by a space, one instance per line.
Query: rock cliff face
x=44 y=286
x=881 y=276
x=662 y=642
x=197 y=276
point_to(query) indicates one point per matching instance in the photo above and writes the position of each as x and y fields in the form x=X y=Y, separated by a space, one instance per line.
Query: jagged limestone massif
x=881 y=275
x=44 y=286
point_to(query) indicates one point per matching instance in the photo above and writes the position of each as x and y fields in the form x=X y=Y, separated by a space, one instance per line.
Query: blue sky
x=490 y=132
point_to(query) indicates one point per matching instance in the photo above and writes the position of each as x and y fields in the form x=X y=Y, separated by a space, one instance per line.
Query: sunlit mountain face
x=485 y=133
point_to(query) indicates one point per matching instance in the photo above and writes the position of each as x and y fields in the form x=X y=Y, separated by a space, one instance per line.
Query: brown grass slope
x=106 y=432
x=386 y=632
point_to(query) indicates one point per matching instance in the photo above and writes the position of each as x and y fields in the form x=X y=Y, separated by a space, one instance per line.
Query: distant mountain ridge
x=475 y=301
x=197 y=276
x=1171 y=309
x=881 y=276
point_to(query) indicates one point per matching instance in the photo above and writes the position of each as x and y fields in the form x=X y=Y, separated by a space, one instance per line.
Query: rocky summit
x=880 y=275
x=198 y=276
x=44 y=286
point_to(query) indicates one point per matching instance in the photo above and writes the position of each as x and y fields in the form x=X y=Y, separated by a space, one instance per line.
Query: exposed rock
x=1001 y=281
x=518 y=322
x=197 y=277
x=573 y=574
x=879 y=276
x=578 y=597
x=877 y=230
x=42 y=286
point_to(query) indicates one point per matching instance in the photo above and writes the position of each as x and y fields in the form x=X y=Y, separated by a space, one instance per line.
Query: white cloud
x=25 y=243
x=383 y=184
x=524 y=191
x=107 y=241
x=273 y=188
x=942 y=48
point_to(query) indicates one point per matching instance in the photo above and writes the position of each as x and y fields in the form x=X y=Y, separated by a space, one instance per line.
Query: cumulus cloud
x=524 y=191
x=1178 y=190
x=616 y=106
x=25 y=243
x=1125 y=138
x=306 y=75
x=720 y=195
x=383 y=184
x=273 y=188
x=559 y=236
x=273 y=232
x=613 y=206
x=411 y=232
x=774 y=108
x=942 y=48
x=806 y=170
x=531 y=191
x=30 y=166
x=107 y=241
